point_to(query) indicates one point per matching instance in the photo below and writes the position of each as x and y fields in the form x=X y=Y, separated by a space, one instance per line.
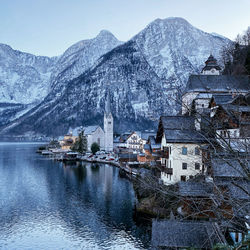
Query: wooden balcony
x=168 y=171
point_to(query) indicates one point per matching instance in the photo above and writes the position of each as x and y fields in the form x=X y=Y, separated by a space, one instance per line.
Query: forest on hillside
x=236 y=56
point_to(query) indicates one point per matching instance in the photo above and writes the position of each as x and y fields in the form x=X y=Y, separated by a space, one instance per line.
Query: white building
x=136 y=140
x=108 y=126
x=201 y=87
x=181 y=149
x=104 y=138
x=93 y=134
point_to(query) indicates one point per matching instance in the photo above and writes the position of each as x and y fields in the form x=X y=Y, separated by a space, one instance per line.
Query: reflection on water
x=51 y=205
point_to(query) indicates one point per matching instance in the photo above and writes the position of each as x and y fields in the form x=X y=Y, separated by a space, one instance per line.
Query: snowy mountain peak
x=105 y=33
x=146 y=76
x=80 y=57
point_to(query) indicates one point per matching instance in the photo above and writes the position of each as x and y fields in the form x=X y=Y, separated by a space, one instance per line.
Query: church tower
x=211 y=68
x=108 y=125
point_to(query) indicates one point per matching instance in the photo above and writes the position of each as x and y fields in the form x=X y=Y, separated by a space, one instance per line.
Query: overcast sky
x=49 y=27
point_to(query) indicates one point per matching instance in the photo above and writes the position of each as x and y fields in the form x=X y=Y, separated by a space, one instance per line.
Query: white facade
x=134 y=142
x=212 y=71
x=187 y=100
x=96 y=136
x=108 y=131
x=185 y=159
x=202 y=103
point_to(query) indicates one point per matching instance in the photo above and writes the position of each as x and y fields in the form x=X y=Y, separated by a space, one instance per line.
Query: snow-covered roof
x=90 y=129
x=204 y=96
x=217 y=83
x=87 y=130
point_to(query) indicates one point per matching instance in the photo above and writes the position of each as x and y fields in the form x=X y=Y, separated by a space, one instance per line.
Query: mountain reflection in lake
x=49 y=205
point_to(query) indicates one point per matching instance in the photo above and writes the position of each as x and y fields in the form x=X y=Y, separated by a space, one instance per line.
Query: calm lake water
x=49 y=205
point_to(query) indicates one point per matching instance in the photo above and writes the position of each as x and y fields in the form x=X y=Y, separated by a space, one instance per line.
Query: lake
x=46 y=204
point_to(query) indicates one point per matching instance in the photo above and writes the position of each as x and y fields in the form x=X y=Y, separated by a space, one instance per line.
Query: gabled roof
x=195 y=189
x=236 y=108
x=179 y=129
x=238 y=189
x=188 y=136
x=124 y=136
x=183 y=234
x=221 y=99
x=146 y=135
x=178 y=122
x=204 y=96
x=217 y=83
x=230 y=167
x=90 y=129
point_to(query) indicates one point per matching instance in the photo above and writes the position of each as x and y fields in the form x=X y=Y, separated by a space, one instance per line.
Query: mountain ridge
x=146 y=75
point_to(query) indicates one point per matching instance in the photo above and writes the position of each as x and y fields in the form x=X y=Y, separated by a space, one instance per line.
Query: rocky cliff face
x=24 y=78
x=27 y=79
x=80 y=57
x=145 y=75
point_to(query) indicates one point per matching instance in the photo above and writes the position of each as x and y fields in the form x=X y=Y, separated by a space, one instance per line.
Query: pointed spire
x=107 y=103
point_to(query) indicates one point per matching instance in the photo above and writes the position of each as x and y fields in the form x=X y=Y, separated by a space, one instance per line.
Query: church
x=94 y=133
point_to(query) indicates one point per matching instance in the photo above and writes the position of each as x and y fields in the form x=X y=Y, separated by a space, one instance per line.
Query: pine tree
x=81 y=143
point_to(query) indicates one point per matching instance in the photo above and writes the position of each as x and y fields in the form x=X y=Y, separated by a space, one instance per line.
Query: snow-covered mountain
x=145 y=76
x=80 y=57
x=24 y=78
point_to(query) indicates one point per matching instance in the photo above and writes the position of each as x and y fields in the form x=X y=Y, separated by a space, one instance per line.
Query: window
x=98 y=141
x=183 y=177
x=191 y=177
x=197 y=151
x=235 y=134
x=184 y=150
x=109 y=122
x=170 y=150
x=197 y=166
x=184 y=165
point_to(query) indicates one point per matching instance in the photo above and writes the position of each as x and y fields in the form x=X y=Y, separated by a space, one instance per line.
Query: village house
x=181 y=157
x=231 y=121
x=151 y=152
x=120 y=142
x=68 y=140
x=136 y=140
x=201 y=88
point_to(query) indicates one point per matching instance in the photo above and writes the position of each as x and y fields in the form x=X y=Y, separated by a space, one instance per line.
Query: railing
x=168 y=170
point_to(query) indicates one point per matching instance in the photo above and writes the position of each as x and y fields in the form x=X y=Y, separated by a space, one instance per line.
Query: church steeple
x=107 y=104
x=108 y=124
x=212 y=67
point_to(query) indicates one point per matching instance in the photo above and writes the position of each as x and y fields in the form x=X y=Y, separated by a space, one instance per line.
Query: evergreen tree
x=95 y=147
x=81 y=143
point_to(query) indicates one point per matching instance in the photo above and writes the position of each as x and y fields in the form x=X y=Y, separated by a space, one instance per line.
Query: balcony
x=164 y=153
x=168 y=170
